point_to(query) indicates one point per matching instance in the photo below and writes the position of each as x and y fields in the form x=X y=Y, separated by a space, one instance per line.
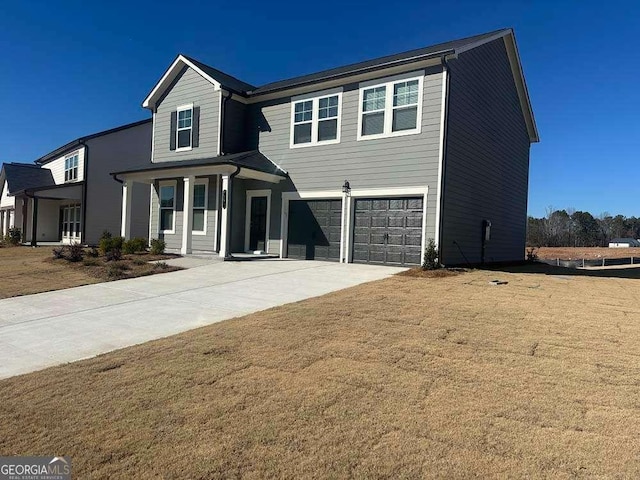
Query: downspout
x=225 y=96
x=445 y=127
x=84 y=190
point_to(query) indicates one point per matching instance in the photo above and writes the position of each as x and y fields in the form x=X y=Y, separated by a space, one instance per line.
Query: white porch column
x=224 y=218
x=187 y=214
x=127 y=192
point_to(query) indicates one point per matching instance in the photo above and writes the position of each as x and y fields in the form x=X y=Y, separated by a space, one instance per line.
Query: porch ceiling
x=59 y=192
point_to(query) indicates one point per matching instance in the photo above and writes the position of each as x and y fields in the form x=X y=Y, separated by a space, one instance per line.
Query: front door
x=258 y=224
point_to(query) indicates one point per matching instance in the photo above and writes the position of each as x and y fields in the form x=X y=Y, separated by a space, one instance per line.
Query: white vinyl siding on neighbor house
x=315 y=119
x=58 y=165
x=390 y=107
x=5 y=199
x=167 y=196
x=200 y=205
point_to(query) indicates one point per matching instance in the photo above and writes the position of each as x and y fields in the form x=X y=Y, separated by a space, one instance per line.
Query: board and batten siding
x=189 y=87
x=174 y=241
x=403 y=161
x=57 y=166
x=487 y=160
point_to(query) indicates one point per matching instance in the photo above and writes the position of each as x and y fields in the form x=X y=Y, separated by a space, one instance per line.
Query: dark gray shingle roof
x=224 y=78
x=21 y=177
x=253 y=160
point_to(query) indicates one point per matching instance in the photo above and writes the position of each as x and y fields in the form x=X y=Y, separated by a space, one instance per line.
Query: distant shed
x=624 y=243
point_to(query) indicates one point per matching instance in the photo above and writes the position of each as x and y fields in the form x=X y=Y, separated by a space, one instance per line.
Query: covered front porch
x=51 y=214
x=199 y=206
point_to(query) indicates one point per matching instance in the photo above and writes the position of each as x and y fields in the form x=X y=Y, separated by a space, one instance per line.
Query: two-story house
x=69 y=196
x=362 y=163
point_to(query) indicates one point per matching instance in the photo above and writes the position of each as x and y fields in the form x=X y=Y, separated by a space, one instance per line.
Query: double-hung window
x=71 y=168
x=167 y=195
x=315 y=120
x=390 y=108
x=200 y=188
x=184 y=130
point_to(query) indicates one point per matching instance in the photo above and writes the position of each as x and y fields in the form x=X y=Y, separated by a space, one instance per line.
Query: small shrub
x=107 y=244
x=157 y=246
x=14 y=236
x=161 y=265
x=430 y=261
x=532 y=254
x=75 y=252
x=91 y=262
x=114 y=255
x=93 y=252
x=106 y=234
x=134 y=245
x=58 y=253
x=139 y=261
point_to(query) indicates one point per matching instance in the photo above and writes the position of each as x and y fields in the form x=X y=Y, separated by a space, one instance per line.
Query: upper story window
x=184 y=128
x=390 y=108
x=315 y=119
x=71 y=168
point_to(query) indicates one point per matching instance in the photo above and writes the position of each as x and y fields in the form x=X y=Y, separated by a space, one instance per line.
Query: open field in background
x=407 y=377
x=578 y=253
x=27 y=270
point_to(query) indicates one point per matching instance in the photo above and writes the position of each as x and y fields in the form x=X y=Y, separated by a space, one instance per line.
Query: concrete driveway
x=38 y=331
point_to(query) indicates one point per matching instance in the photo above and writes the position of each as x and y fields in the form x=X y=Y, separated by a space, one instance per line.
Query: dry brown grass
x=578 y=253
x=26 y=270
x=403 y=378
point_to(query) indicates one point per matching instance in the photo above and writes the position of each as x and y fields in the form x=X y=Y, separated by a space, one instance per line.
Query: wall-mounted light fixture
x=346 y=188
x=224 y=198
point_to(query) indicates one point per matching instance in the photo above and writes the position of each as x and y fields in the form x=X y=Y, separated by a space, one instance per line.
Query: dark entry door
x=258 y=225
x=314 y=229
x=388 y=230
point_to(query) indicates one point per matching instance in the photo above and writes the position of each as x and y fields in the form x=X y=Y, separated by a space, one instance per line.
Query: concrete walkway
x=37 y=331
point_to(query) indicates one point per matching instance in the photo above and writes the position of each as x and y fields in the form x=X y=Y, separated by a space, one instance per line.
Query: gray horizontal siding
x=410 y=160
x=189 y=87
x=174 y=241
x=487 y=162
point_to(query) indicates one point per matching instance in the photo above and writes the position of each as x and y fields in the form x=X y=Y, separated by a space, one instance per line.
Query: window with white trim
x=71 y=168
x=391 y=108
x=167 y=196
x=316 y=121
x=200 y=191
x=184 y=128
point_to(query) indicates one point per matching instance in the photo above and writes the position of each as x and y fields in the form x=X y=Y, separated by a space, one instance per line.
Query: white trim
x=216 y=217
x=127 y=197
x=167 y=183
x=284 y=213
x=153 y=134
x=389 y=83
x=152 y=187
x=315 y=98
x=218 y=149
x=205 y=182
x=441 y=156
x=247 y=223
x=184 y=108
x=385 y=193
x=171 y=73
x=224 y=219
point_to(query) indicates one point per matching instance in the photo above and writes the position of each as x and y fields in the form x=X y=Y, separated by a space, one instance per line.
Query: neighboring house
x=361 y=163
x=624 y=243
x=69 y=196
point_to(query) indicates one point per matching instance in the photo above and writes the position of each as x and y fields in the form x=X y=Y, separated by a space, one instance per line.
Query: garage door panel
x=388 y=230
x=314 y=229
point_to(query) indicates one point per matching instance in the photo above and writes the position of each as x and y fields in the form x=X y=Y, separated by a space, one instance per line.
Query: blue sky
x=71 y=68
